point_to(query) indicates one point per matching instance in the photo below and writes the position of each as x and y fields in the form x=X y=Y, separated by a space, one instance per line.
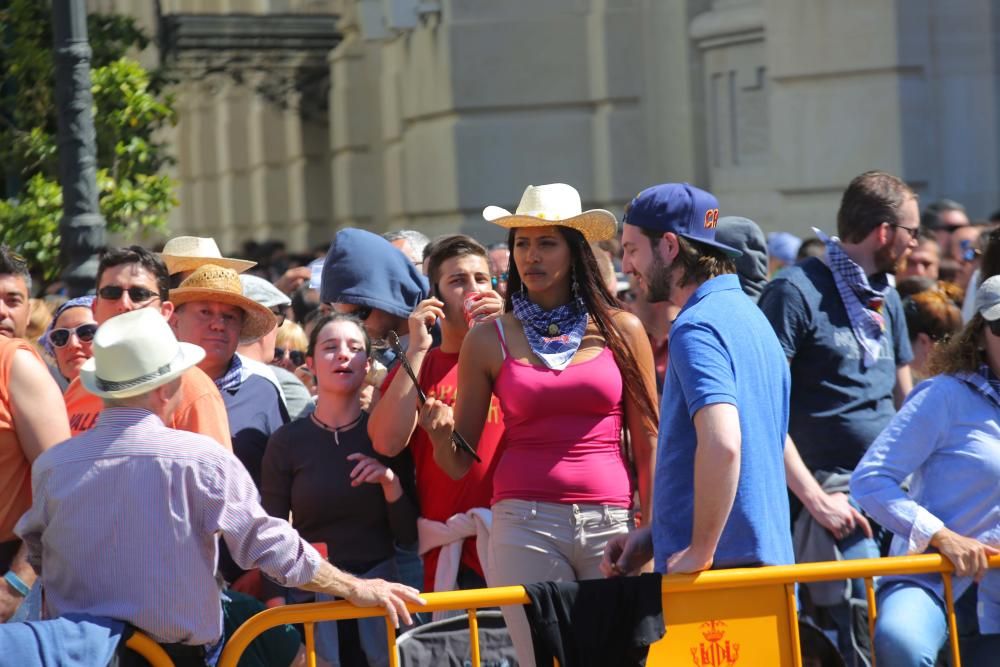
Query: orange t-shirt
x=200 y=409
x=15 y=470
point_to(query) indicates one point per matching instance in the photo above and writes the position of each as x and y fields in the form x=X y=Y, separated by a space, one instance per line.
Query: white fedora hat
x=134 y=353
x=555 y=204
x=187 y=253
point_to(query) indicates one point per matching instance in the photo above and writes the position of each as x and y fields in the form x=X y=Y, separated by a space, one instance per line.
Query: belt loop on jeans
x=607 y=513
x=534 y=509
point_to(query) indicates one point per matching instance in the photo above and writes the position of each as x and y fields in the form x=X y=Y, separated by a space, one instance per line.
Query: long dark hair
x=601 y=305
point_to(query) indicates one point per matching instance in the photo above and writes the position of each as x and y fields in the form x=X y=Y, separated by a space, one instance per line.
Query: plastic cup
x=468 y=304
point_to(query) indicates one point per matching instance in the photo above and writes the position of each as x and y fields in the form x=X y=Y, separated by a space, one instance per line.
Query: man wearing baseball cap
x=719 y=493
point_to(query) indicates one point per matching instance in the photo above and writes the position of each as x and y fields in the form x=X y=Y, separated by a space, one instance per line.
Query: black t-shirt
x=306 y=473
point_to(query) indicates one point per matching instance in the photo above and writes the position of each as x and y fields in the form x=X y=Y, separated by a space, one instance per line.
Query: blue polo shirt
x=723 y=350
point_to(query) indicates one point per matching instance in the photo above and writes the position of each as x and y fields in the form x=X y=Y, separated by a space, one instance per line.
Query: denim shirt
x=947 y=436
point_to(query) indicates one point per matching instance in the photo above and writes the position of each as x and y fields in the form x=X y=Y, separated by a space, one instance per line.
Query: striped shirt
x=124 y=525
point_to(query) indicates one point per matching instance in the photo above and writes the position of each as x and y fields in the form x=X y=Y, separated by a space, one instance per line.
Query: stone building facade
x=437 y=108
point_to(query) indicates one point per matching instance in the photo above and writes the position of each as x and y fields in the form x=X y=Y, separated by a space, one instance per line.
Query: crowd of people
x=205 y=436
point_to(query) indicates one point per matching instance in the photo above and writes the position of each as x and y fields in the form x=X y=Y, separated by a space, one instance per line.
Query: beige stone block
x=811 y=37
x=552 y=51
x=828 y=130
x=497 y=156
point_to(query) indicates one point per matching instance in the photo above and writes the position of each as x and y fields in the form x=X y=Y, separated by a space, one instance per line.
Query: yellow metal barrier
x=719 y=618
x=150 y=650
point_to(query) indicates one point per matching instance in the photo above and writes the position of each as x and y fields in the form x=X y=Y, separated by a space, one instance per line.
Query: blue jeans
x=911 y=628
x=371 y=631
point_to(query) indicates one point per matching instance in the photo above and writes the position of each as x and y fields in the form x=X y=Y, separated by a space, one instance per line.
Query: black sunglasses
x=279 y=318
x=84 y=332
x=298 y=358
x=136 y=294
x=994 y=327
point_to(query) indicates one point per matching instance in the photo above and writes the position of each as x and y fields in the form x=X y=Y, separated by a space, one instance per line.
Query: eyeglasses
x=297 y=358
x=912 y=231
x=84 y=333
x=279 y=317
x=136 y=294
x=502 y=278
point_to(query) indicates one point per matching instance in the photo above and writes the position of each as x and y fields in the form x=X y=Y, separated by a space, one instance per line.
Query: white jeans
x=535 y=541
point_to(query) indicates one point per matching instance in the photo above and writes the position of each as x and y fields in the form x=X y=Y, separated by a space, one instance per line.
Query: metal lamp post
x=82 y=225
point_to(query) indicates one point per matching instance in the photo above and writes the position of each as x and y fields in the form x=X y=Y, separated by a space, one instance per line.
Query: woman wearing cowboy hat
x=571 y=370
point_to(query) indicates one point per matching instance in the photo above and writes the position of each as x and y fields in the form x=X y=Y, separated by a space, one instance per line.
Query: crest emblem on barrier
x=716 y=650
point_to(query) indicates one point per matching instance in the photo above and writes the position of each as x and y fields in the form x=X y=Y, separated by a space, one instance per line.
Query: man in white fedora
x=184 y=254
x=126 y=517
x=129 y=279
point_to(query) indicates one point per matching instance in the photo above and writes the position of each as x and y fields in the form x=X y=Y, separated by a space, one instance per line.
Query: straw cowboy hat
x=219 y=284
x=134 y=353
x=555 y=204
x=187 y=253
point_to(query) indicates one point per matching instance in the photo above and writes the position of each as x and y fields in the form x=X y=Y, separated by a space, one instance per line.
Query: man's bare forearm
x=332 y=581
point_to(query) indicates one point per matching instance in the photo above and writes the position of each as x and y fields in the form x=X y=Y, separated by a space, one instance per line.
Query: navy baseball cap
x=679 y=208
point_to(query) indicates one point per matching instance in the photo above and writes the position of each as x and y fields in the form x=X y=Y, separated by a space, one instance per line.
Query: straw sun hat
x=187 y=253
x=555 y=204
x=217 y=283
x=134 y=353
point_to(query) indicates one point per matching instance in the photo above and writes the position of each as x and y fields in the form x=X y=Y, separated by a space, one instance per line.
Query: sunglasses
x=136 y=294
x=297 y=358
x=502 y=278
x=279 y=318
x=994 y=327
x=84 y=333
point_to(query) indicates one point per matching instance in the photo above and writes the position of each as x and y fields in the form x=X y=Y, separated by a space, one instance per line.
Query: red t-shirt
x=439 y=495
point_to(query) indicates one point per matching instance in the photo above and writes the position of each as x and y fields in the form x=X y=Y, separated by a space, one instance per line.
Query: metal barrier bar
x=310 y=644
x=474 y=638
x=150 y=650
x=793 y=623
x=949 y=601
x=469 y=600
x=872 y=612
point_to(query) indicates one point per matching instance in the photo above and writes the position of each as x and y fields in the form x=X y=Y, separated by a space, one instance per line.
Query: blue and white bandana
x=233 y=377
x=985 y=380
x=862 y=300
x=554 y=335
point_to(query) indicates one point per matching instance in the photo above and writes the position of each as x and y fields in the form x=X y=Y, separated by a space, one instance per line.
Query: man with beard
x=718 y=494
x=843 y=330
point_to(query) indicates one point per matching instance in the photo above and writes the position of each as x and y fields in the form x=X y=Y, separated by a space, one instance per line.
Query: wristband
x=16 y=583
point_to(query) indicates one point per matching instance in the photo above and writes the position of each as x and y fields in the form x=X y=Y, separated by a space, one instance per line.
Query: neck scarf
x=985 y=381
x=233 y=377
x=862 y=300
x=554 y=335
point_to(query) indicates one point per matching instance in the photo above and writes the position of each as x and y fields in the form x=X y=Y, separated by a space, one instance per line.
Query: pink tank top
x=561 y=432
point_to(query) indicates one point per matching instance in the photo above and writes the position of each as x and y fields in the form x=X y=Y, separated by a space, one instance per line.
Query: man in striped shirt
x=126 y=516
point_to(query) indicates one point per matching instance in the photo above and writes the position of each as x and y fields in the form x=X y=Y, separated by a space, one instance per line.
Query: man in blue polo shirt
x=719 y=491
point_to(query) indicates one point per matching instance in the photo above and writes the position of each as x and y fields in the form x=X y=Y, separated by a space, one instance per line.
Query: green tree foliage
x=130 y=107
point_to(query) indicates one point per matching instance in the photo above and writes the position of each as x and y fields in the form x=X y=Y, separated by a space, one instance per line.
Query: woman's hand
x=969 y=556
x=371 y=471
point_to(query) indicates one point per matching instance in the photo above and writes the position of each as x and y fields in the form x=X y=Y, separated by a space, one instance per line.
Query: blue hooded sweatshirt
x=366 y=270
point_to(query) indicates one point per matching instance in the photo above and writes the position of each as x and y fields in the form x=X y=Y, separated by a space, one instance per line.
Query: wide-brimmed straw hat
x=187 y=253
x=555 y=204
x=134 y=353
x=217 y=283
